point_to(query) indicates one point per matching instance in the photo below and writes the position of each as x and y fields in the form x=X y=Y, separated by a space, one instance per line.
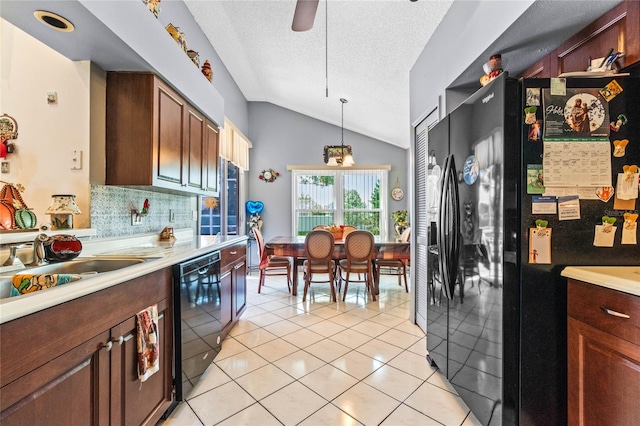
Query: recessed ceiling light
x=54 y=21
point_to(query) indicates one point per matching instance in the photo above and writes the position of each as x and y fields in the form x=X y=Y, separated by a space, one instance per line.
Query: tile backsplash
x=111 y=211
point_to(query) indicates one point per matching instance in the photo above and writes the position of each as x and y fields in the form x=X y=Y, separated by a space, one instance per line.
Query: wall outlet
x=136 y=219
x=76 y=159
x=172 y=216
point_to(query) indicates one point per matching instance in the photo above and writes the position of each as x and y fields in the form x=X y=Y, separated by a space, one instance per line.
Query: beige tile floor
x=356 y=362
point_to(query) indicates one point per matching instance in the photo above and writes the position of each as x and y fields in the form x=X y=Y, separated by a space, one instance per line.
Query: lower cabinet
x=76 y=363
x=233 y=272
x=603 y=356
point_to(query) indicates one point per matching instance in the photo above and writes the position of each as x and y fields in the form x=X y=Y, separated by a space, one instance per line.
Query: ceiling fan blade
x=304 y=15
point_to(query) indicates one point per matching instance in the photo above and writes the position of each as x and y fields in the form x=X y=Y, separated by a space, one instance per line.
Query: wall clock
x=397 y=193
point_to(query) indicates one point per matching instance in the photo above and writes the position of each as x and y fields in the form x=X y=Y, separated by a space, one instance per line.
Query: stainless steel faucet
x=13 y=259
x=38 y=250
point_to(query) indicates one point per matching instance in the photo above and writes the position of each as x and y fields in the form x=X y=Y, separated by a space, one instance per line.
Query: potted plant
x=401 y=221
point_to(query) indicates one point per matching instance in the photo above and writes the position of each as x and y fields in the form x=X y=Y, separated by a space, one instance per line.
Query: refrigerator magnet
x=540 y=243
x=530 y=114
x=629 y=229
x=535 y=179
x=627 y=185
x=611 y=90
x=569 y=207
x=604 y=193
x=543 y=205
x=533 y=96
x=620 y=121
x=605 y=233
x=535 y=131
x=470 y=170
x=619 y=147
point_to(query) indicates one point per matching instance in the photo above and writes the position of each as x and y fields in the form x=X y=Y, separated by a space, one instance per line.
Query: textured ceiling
x=371 y=46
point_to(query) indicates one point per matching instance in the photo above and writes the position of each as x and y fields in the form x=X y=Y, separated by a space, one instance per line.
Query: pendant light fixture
x=339 y=155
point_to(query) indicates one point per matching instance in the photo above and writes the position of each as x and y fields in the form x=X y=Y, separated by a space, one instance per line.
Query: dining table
x=293 y=246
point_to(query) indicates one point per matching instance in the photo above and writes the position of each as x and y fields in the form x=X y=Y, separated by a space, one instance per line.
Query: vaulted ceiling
x=358 y=50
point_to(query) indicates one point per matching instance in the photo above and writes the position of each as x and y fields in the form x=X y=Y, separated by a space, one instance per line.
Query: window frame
x=338 y=194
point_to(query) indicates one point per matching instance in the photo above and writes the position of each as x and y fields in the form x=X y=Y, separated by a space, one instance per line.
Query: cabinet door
x=43 y=396
x=196 y=149
x=134 y=402
x=212 y=158
x=239 y=288
x=170 y=142
x=603 y=377
x=226 y=284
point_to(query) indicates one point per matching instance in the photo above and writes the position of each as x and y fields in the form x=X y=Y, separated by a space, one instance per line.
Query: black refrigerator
x=496 y=309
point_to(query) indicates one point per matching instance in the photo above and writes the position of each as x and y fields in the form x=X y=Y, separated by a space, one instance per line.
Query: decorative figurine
x=206 y=70
x=193 y=55
x=153 y=6
x=492 y=69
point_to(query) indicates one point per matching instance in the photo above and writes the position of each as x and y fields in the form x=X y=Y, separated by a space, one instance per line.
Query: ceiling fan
x=304 y=15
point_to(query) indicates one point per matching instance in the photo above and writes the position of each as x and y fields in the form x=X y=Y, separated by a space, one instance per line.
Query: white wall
x=467 y=30
x=46 y=133
x=282 y=137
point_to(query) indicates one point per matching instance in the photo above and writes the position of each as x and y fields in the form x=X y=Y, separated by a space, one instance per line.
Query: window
x=211 y=219
x=341 y=196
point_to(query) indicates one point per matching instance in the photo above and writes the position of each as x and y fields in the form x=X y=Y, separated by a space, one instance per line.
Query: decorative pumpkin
x=25 y=219
x=10 y=201
x=7 y=215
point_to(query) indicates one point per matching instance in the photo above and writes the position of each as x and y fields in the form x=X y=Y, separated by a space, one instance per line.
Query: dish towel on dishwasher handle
x=148 y=342
x=29 y=283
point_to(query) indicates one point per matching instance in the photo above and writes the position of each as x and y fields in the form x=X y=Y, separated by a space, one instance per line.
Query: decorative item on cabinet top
x=193 y=55
x=206 y=70
x=153 y=6
x=178 y=36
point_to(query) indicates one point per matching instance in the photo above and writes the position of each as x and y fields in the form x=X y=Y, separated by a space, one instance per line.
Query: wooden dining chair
x=318 y=248
x=359 y=247
x=396 y=267
x=271 y=265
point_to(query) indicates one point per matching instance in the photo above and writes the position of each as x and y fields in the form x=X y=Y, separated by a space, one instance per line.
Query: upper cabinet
x=155 y=139
x=618 y=29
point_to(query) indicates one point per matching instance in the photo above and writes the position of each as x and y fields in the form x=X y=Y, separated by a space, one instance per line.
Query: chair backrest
x=347 y=230
x=318 y=245
x=262 y=253
x=359 y=246
x=319 y=227
x=406 y=235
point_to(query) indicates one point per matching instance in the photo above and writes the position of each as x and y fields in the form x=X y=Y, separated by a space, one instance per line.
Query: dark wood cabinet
x=618 y=29
x=603 y=355
x=155 y=139
x=233 y=275
x=75 y=363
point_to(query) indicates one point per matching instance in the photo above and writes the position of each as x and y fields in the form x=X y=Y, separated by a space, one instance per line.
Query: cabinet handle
x=108 y=345
x=238 y=266
x=119 y=340
x=614 y=313
x=233 y=252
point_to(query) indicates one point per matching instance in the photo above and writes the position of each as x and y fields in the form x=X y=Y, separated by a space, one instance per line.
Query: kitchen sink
x=83 y=267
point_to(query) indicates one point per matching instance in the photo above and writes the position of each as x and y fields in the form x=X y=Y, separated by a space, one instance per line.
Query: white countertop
x=620 y=278
x=187 y=247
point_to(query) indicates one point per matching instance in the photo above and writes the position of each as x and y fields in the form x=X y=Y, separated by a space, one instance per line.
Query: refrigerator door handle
x=454 y=260
x=441 y=235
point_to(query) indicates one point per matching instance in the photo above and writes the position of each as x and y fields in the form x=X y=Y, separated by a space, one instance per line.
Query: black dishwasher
x=197 y=314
